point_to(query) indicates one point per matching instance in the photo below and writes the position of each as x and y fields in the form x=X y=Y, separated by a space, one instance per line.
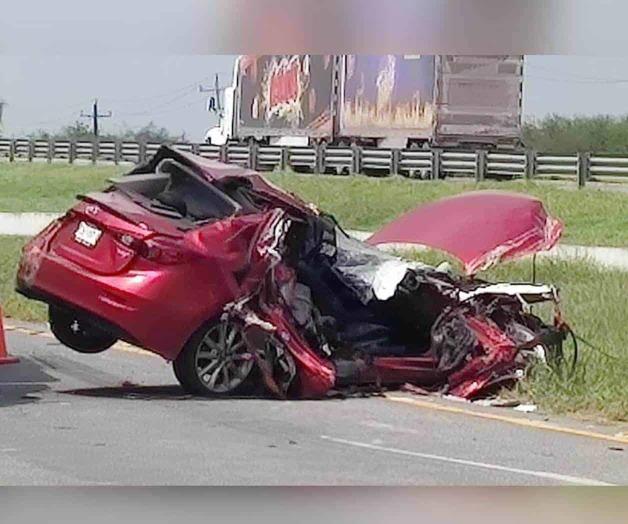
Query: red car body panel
x=479 y=228
x=154 y=305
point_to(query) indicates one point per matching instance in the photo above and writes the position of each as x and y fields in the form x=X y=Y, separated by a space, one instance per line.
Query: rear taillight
x=129 y=241
x=163 y=250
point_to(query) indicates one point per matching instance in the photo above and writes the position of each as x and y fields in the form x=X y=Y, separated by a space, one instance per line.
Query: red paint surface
x=479 y=228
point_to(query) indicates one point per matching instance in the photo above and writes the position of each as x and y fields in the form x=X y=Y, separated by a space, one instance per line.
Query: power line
x=95 y=116
x=578 y=82
x=163 y=111
x=158 y=106
x=571 y=77
x=59 y=120
x=60 y=117
x=174 y=91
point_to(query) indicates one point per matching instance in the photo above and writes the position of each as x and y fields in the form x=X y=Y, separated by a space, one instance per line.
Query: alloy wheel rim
x=222 y=359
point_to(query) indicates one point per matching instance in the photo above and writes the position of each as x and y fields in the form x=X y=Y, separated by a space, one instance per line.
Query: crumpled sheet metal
x=272 y=303
x=479 y=228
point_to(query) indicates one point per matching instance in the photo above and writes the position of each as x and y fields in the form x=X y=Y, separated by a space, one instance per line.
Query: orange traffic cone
x=4 y=358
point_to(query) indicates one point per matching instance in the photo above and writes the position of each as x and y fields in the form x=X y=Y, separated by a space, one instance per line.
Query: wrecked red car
x=244 y=286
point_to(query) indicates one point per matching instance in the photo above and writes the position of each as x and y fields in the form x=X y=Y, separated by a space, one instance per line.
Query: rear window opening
x=174 y=190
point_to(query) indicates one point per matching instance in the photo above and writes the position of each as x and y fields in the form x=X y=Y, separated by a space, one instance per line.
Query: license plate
x=87 y=235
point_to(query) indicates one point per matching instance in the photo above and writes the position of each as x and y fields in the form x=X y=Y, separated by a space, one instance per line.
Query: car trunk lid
x=99 y=238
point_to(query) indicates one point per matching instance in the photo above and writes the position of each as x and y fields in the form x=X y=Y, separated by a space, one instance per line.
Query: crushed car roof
x=215 y=171
x=479 y=228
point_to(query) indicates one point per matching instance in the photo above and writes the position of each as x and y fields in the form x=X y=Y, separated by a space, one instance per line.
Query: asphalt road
x=120 y=418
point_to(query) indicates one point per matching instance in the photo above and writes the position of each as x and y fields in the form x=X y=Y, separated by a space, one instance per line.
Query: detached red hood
x=479 y=228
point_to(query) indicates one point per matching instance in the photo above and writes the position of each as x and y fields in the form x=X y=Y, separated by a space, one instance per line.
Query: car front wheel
x=216 y=361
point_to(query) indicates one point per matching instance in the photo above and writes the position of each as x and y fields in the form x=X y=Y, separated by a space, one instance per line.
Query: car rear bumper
x=133 y=306
x=35 y=293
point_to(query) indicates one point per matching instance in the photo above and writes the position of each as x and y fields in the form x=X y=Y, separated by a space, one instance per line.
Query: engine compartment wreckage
x=291 y=302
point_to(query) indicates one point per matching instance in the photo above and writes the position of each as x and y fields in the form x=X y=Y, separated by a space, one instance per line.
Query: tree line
x=559 y=134
x=80 y=131
x=551 y=134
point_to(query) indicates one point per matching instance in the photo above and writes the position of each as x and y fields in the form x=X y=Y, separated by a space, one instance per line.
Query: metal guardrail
x=412 y=163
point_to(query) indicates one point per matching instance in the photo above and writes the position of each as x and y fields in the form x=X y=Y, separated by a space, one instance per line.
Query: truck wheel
x=75 y=330
x=216 y=361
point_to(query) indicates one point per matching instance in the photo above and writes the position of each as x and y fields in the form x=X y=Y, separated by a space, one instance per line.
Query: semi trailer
x=376 y=100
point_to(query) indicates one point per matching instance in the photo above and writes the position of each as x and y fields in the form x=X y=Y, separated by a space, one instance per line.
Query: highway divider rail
x=413 y=163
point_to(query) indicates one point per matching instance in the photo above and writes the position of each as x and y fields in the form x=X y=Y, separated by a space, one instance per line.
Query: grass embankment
x=595 y=303
x=15 y=305
x=48 y=187
x=592 y=217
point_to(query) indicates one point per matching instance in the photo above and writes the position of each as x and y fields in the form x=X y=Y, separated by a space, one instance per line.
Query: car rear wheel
x=216 y=361
x=75 y=330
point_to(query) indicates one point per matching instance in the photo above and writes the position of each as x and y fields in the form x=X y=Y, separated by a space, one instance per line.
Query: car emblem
x=92 y=210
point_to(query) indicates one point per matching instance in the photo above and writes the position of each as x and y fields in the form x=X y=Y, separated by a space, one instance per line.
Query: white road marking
x=24 y=383
x=495 y=467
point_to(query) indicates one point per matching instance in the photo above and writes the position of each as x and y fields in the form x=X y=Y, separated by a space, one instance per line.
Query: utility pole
x=95 y=115
x=2 y=104
x=215 y=103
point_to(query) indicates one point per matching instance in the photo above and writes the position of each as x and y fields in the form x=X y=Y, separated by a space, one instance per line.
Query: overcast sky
x=48 y=92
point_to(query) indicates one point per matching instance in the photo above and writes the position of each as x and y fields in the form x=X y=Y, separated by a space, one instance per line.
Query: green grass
x=15 y=305
x=37 y=187
x=592 y=217
x=595 y=303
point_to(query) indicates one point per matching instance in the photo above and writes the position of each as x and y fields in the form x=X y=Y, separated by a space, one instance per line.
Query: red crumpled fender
x=264 y=274
x=497 y=360
x=316 y=375
x=227 y=240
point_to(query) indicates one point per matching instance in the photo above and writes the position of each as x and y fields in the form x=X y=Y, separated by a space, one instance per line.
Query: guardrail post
x=12 y=151
x=284 y=159
x=95 y=151
x=319 y=164
x=50 y=151
x=196 y=148
x=117 y=152
x=143 y=155
x=436 y=163
x=356 y=164
x=530 y=165
x=394 y=161
x=480 y=165
x=584 y=160
x=72 y=152
x=224 y=153
x=31 y=150
x=253 y=154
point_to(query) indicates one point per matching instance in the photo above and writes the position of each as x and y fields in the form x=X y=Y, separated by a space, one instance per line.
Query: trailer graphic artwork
x=287 y=92
x=388 y=95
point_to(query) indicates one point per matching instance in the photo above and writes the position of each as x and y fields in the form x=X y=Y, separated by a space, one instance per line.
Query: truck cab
x=223 y=132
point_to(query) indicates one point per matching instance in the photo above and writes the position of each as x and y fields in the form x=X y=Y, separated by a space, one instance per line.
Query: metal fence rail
x=413 y=163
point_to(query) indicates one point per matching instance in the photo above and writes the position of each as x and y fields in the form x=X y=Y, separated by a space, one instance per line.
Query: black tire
x=75 y=330
x=193 y=370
